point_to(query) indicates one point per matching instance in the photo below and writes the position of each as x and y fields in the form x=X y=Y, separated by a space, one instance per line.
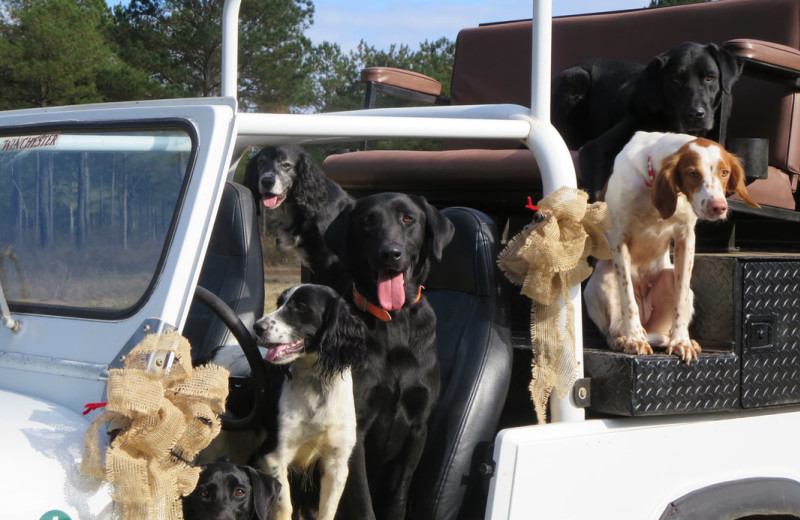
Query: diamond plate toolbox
x=747 y=318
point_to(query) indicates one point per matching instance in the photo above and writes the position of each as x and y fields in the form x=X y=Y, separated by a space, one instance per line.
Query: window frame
x=139 y=125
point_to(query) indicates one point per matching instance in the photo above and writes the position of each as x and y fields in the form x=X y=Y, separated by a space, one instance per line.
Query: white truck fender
x=649 y=468
x=41 y=450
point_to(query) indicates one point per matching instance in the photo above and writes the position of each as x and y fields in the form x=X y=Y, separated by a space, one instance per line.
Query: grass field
x=276 y=280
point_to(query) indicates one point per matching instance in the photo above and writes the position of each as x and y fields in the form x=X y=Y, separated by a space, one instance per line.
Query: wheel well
x=747 y=499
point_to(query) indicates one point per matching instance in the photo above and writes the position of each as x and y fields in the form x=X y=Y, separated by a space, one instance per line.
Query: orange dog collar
x=376 y=310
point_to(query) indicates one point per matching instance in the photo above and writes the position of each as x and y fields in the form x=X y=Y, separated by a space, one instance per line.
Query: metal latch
x=582 y=392
x=760 y=332
x=5 y=313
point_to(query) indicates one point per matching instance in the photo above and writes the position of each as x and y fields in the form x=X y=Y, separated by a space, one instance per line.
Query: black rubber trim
x=737 y=499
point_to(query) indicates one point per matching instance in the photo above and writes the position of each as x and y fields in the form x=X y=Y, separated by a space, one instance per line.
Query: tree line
x=58 y=52
x=63 y=52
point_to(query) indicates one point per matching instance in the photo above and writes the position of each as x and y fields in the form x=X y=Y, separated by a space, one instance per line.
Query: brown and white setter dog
x=661 y=185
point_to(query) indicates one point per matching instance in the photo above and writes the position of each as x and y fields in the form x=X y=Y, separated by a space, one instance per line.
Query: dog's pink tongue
x=274 y=352
x=391 y=293
x=269 y=201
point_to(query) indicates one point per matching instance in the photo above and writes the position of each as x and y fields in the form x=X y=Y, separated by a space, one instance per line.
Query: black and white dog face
x=226 y=491
x=272 y=173
x=312 y=320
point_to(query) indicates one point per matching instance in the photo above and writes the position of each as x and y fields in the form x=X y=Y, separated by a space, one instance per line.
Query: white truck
x=79 y=290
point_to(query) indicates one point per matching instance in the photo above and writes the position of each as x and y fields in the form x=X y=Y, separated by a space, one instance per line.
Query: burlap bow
x=546 y=259
x=166 y=418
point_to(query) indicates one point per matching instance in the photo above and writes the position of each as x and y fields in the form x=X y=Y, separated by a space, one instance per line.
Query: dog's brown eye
x=725 y=173
x=286 y=165
x=239 y=492
x=408 y=219
x=368 y=221
x=204 y=493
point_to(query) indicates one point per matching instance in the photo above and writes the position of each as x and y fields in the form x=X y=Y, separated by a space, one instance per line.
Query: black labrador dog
x=226 y=491
x=302 y=201
x=598 y=105
x=387 y=242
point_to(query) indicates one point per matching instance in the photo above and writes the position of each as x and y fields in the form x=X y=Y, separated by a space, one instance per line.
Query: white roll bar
x=230 y=48
x=496 y=121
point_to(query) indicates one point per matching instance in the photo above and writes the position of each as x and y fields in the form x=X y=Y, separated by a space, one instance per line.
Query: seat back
x=466 y=291
x=232 y=269
x=485 y=72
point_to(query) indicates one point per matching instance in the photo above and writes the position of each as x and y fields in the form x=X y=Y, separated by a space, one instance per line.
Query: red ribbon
x=90 y=407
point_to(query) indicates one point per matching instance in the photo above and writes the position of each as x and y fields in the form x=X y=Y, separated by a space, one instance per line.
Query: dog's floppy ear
x=265 y=491
x=336 y=234
x=438 y=229
x=730 y=66
x=341 y=340
x=309 y=185
x=664 y=195
x=251 y=180
x=648 y=94
x=736 y=182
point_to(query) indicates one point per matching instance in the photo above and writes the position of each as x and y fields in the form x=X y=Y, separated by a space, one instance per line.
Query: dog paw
x=636 y=344
x=684 y=348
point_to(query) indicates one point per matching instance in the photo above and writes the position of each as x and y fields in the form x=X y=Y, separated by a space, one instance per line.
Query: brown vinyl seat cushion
x=404 y=170
x=486 y=72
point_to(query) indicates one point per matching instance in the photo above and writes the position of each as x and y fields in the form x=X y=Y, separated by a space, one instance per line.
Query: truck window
x=86 y=214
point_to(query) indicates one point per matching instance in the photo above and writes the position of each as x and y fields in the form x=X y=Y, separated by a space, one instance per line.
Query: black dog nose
x=259 y=328
x=266 y=183
x=697 y=113
x=392 y=253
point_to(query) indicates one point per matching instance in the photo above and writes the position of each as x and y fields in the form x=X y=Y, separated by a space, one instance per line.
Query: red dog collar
x=651 y=174
x=376 y=310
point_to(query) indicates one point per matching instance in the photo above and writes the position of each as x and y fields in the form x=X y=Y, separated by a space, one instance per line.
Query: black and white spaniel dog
x=316 y=333
x=302 y=201
x=387 y=242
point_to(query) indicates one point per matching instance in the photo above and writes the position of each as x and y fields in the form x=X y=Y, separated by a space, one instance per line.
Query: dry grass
x=276 y=280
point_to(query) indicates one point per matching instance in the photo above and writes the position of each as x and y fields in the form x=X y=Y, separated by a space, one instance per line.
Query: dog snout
x=391 y=253
x=266 y=183
x=697 y=113
x=260 y=327
x=718 y=207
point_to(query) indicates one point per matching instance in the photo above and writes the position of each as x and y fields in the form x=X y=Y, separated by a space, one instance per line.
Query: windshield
x=86 y=215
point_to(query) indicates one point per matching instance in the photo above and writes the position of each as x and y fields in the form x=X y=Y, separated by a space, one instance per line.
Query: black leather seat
x=233 y=270
x=474 y=341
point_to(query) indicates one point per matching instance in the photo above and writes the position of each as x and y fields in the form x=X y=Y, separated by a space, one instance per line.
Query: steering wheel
x=247 y=341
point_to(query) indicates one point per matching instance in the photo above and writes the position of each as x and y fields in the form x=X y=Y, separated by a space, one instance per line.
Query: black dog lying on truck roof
x=599 y=104
x=302 y=201
x=387 y=242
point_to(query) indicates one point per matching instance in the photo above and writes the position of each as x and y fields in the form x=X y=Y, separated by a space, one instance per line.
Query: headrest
x=469 y=256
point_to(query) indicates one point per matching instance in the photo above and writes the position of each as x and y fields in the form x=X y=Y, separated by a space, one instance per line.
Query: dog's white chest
x=322 y=414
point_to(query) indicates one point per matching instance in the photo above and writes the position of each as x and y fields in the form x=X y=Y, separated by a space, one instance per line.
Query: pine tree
x=179 y=43
x=50 y=50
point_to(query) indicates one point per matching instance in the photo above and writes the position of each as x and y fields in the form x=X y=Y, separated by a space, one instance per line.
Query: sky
x=383 y=22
